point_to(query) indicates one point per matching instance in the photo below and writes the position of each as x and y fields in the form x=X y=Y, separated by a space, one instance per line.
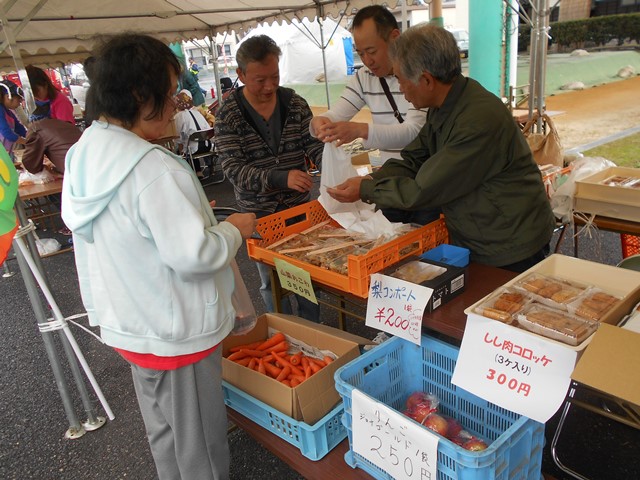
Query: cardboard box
x=361 y=164
x=611 y=363
x=591 y=196
x=620 y=282
x=445 y=286
x=313 y=398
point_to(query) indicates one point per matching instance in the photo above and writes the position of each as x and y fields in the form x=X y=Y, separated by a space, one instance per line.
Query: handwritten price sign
x=396 y=306
x=507 y=366
x=392 y=441
x=295 y=279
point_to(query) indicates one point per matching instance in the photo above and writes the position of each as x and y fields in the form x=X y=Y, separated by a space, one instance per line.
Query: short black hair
x=256 y=49
x=129 y=71
x=381 y=16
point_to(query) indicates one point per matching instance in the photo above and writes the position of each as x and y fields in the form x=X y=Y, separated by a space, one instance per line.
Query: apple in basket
x=474 y=445
x=437 y=423
x=417 y=398
x=453 y=428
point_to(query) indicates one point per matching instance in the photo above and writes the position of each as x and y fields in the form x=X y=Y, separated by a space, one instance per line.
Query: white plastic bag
x=27 y=178
x=47 y=246
x=357 y=216
x=562 y=199
x=246 y=317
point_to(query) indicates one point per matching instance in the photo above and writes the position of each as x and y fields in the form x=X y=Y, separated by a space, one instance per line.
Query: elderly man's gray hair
x=256 y=49
x=426 y=47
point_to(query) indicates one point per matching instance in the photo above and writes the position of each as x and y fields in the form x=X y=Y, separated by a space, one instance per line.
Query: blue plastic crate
x=449 y=254
x=396 y=368
x=314 y=441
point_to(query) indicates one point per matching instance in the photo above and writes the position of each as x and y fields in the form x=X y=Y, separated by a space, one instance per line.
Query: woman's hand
x=245 y=222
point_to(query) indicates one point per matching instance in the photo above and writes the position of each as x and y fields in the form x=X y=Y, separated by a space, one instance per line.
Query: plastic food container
x=555 y=324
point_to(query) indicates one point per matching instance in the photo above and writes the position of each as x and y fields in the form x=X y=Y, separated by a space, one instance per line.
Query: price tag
x=396 y=306
x=392 y=441
x=518 y=371
x=295 y=279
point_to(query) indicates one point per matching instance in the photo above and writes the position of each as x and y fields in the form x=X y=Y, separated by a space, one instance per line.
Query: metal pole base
x=74 y=433
x=91 y=426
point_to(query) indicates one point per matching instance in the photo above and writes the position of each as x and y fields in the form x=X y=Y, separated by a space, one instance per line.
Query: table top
x=28 y=192
x=450 y=319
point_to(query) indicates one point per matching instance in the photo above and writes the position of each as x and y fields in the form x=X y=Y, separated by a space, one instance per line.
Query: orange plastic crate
x=630 y=245
x=294 y=220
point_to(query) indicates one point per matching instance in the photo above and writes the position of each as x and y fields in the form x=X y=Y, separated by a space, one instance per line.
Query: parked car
x=462 y=38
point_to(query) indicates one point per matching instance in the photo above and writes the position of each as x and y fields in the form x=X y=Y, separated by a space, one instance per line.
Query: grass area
x=624 y=152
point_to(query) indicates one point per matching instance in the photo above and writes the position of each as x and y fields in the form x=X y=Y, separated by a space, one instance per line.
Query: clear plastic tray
x=503 y=305
x=556 y=324
x=550 y=291
x=593 y=305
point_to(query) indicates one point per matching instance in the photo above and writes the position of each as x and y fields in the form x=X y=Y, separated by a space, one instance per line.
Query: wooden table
x=608 y=224
x=30 y=192
x=36 y=205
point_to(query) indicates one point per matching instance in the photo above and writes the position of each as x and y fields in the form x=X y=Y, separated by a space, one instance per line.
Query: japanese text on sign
x=396 y=306
x=295 y=279
x=507 y=366
x=392 y=441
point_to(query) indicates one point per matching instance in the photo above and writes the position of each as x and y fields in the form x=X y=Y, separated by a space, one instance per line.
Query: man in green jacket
x=470 y=158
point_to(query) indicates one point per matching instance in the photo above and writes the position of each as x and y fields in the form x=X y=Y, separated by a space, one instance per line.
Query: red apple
x=458 y=440
x=475 y=445
x=417 y=398
x=454 y=427
x=437 y=423
x=421 y=412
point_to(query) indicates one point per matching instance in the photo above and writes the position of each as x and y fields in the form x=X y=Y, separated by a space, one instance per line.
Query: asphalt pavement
x=33 y=422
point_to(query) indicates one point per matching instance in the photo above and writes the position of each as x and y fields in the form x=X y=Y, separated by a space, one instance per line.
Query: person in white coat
x=153 y=262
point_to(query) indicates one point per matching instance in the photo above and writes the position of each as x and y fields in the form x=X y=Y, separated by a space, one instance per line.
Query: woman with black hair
x=153 y=262
x=60 y=107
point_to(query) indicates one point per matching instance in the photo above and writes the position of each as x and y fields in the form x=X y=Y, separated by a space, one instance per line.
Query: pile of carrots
x=269 y=357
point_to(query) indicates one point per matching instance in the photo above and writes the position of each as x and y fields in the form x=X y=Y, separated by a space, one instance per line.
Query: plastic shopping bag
x=246 y=317
x=358 y=216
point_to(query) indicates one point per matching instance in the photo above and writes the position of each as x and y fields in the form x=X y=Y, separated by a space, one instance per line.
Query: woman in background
x=153 y=262
x=60 y=106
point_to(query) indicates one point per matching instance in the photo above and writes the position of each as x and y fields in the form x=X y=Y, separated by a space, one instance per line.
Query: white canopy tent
x=51 y=32
x=301 y=45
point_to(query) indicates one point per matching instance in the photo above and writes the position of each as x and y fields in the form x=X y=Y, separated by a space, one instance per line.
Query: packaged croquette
x=550 y=291
x=503 y=305
x=556 y=324
x=593 y=305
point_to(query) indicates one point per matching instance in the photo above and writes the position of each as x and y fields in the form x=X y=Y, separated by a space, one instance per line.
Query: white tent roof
x=53 y=31
x=300 y=42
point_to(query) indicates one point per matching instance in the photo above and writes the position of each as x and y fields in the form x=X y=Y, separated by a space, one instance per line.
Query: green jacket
x=471 y=159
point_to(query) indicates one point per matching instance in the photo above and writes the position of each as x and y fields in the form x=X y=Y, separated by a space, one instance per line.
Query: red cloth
x=149 y=360
x=5 y=243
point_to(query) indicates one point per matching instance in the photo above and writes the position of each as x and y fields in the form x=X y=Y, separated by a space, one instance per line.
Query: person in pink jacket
x=60 y=106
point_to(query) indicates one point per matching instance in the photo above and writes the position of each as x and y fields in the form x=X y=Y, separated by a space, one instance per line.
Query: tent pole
x=324 y=58
x=32 y=271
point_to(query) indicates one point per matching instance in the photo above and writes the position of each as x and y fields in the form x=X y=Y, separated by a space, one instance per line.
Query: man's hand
x=317 y=123
x=245 y=222
x=342 y=132
x=299 y=181
x=348 y=191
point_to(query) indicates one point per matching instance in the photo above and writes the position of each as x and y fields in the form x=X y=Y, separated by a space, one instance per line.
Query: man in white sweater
x=395 y=122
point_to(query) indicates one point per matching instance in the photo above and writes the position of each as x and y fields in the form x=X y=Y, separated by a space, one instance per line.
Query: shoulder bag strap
x=396 y=112
x=194 y=119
